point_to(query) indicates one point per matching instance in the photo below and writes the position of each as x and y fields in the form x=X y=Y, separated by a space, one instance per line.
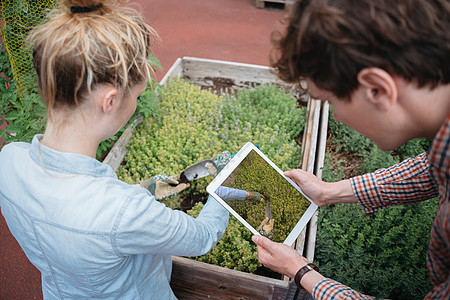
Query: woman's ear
x=109 y=100
x=379 y=87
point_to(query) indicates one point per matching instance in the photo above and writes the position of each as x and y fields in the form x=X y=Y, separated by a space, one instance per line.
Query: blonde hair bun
x=102 y=43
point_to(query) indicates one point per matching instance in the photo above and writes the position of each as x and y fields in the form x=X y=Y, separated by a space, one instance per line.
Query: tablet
x=255 y=191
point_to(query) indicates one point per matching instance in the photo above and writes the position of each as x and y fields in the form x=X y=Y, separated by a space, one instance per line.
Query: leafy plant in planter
x=235 y=250
x=382 y=256
x=23 y=110
x=192 y=124
x=385 y=255
x=20 y=104
x=348 y=141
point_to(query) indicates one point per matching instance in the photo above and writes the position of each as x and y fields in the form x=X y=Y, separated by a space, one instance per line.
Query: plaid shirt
x=413 y=180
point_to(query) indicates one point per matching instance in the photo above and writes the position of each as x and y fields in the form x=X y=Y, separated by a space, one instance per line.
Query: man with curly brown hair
x=384 y=67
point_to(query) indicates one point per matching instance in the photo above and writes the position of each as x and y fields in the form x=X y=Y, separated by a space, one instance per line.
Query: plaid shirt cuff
x=367 y=191
x=328 y=289
x=404 y=183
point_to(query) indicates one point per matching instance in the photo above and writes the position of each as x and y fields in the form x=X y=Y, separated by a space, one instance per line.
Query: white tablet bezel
x=231 y=166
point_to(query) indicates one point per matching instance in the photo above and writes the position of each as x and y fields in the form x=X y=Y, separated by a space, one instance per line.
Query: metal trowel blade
x=200 y=170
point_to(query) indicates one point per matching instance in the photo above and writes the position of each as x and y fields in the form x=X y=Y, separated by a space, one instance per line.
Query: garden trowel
x=207 y=167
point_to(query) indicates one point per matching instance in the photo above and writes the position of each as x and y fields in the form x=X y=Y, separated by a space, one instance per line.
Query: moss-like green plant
x=191 y=124
x=235 y=250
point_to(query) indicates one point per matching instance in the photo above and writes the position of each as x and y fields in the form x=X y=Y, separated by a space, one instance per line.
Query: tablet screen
x=254 y=190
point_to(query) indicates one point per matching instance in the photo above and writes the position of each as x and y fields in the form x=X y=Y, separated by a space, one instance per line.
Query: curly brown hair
x=330 y=41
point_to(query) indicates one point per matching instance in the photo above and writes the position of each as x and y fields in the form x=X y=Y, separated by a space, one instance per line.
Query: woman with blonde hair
x=90 y=234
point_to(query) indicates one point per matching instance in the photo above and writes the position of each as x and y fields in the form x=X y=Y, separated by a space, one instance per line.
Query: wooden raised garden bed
x=196 y=280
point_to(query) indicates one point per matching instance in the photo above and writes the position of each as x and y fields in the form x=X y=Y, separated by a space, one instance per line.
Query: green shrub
x=23 y=111
x=412 y=148
x=332 y=170
x=235 y=250
x=192 y=124
x=347 y=138
x=20 y=104
x=383 y=256
x=377 y=159
x=350 y=141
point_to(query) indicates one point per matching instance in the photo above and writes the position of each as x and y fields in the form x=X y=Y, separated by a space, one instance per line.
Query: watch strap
x=303 y=270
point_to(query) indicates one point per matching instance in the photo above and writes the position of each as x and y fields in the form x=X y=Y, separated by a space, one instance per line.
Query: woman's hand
x=163 y=186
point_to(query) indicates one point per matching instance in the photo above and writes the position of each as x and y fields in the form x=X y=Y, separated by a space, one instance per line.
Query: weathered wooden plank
x=196 y=280
x=176 y=70
x=119 y=150
x=214 y=73
x=320 y=156
x=306 y=138
x=308 y=158
x=322 y=140
x=314 y=130
x=309 y=138
x=310 y=243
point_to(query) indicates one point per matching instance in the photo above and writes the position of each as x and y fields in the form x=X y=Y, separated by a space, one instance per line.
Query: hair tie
x=84 y=9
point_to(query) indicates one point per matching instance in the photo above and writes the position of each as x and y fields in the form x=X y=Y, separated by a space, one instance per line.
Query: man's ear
x=109 y=100
x=380 y=88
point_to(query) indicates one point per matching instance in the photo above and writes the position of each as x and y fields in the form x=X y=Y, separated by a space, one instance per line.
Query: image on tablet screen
x=273 y=206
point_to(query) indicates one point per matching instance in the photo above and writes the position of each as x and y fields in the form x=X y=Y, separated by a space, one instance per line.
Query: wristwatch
x=303 y=270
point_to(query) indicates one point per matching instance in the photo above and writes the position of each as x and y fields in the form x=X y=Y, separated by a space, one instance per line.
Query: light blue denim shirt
x=92 y=235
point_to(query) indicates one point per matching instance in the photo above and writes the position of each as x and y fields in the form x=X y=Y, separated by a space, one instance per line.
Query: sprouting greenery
x=192 y=124
x=235 y=250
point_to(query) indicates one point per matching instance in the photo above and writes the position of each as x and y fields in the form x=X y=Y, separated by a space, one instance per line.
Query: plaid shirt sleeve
x=396 y=185
x=328 y=289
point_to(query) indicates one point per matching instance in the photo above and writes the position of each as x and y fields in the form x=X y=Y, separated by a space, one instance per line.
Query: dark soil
x=350 y=162
x=183 y=178
x=263 y=271
x=222 y=85
x=191 y=198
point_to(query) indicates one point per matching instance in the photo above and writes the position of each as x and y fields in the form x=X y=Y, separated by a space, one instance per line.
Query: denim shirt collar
x=68 y=163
